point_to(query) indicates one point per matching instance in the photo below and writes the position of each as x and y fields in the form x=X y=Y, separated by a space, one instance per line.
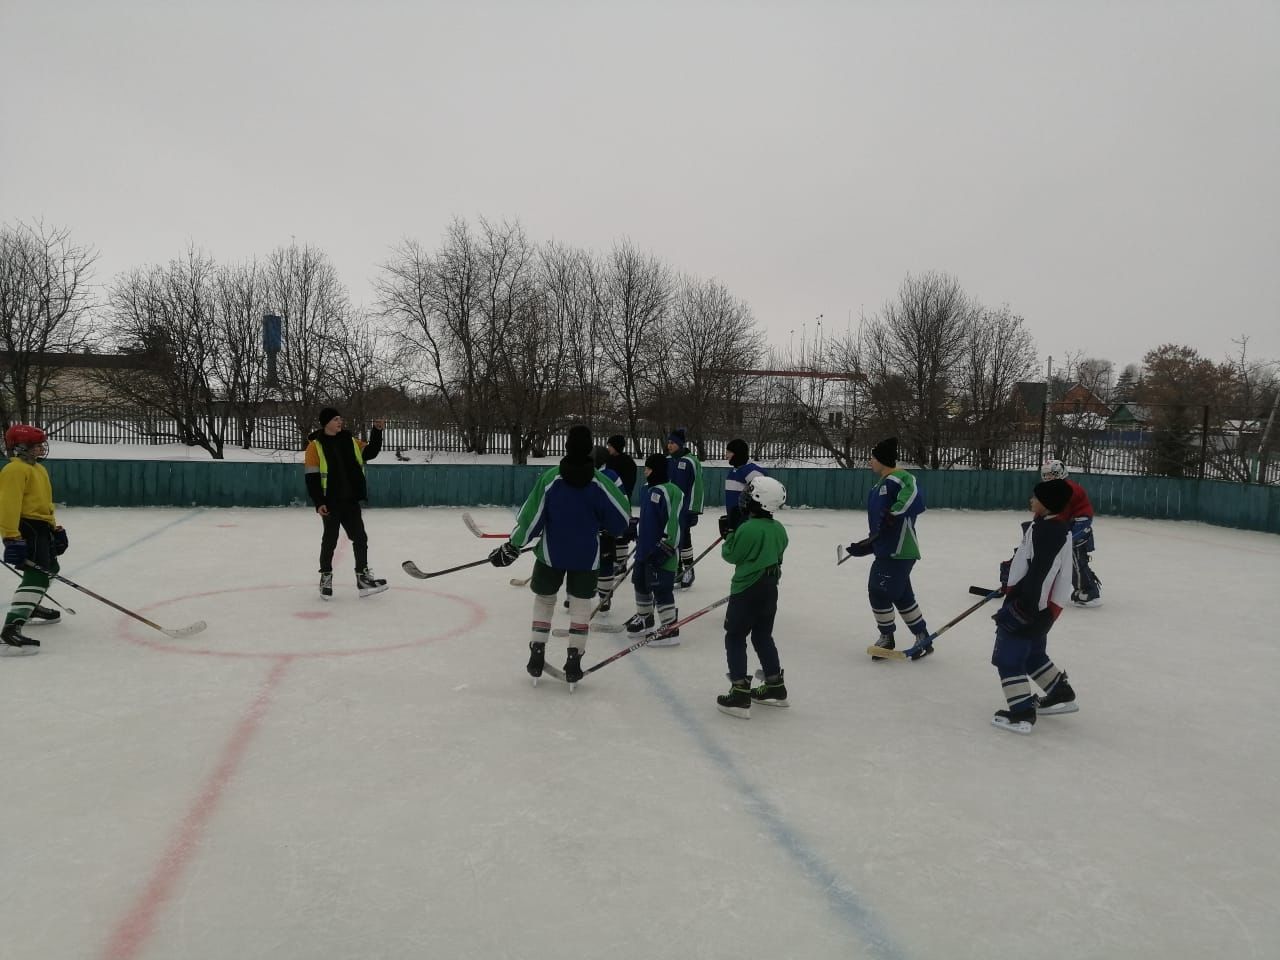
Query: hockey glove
x=661 y=554
x=15 y=552
x=629 y=535
x=693 y=519
x=59 y=541
x=862 y=548
x=1012 y=618
x=726 y=526
x=504 y=556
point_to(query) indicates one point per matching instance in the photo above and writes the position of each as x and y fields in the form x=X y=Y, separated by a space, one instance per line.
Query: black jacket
x=625 y=467
x=346 y=479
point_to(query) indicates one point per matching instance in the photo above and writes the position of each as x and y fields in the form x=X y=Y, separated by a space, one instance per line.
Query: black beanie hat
x=578 y=443
x=657 y=463
x=618 y=442
x=1054 y=494
x=886 y=451
x=677 y=436
x=738 y=451
x=327 y=414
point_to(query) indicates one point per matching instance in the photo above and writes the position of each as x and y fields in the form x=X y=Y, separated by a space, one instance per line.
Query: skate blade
x=1021 y=727
x=1059 y=708
x=369 y=592
x=742 y=713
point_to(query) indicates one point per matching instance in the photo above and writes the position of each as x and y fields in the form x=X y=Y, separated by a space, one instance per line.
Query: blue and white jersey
x=568 y=518
x=736 y=482
x=660 y=505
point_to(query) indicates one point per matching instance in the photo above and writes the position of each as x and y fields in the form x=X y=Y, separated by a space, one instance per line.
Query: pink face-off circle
x=359 y=632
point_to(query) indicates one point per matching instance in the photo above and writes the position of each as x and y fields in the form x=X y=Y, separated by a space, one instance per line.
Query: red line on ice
x=132 y=933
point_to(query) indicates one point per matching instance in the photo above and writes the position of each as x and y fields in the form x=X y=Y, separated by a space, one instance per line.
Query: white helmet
x=765 y=492
x=1053 y=470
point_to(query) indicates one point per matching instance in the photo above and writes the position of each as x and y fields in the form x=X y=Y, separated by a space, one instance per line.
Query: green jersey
x=754 y=547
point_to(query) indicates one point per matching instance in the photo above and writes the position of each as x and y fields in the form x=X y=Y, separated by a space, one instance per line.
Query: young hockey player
x=566 y=510
x=624 y=465
x=31 y=532
x=741 y=472
x=893 y=504
x=657 y=534
x=685 y=471
x=334 y=467
x=1086 y=587
x=1036 y=583
x=610 y=546
x=755 y=548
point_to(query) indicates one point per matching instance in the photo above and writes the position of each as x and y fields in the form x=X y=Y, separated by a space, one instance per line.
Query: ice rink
x=378 y=778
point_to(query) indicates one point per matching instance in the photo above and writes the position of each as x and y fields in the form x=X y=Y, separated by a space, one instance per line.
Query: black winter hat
x=618 y=442
x=1054 y=494
x=327 y=414
x=739 y=452
x=578 y=443
x=677 y=436
x=657 y=463
x=886 y=451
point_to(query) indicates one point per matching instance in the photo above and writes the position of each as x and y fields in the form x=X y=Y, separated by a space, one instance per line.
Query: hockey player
x=657 y=534
x=30 y=530
x=685 y=471
x=613 y=550
x=742 y=471
x=1086 y=587
x=334 y=467
x=1036 y=584
x=624 y=465
x=893 y=504
x=566 y=510
x=755 y=548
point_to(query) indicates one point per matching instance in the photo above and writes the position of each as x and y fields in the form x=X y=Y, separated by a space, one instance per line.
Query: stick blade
x=471 y=524
x=412 y=570
x=880 y=653
x=524 y=582
x=984 y=591
x=190 y=630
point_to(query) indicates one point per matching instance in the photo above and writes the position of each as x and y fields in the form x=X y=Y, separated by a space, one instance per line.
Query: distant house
x=1080 y=399
x=1028 y=401
x=72 y=375
x=1129 y=416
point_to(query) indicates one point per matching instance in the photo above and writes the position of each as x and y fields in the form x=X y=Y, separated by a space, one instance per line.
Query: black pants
x=345 y=514
x=752 y=612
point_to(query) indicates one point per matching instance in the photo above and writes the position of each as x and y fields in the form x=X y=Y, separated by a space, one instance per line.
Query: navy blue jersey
x=660 y=505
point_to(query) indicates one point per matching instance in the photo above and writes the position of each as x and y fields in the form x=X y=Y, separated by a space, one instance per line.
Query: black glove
x=726 y=526
x=1012 y=617
x=59 y=541
x=663 y=552
x=504 y=556
x=862 y=548
x=633 y=528
x=693 y=519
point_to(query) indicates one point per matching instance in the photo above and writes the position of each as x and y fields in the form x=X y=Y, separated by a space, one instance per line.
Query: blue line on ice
x=101 y=558
x=843 y=899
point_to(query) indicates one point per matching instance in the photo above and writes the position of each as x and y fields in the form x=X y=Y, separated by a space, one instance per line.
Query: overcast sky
x=1110 y=170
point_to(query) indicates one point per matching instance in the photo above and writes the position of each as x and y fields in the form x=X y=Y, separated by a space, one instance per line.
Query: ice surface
x=377 y=778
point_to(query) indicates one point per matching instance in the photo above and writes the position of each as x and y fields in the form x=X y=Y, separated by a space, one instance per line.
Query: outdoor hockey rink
x=378 y=778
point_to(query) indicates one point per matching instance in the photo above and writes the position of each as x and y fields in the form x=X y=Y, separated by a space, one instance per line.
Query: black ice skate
x=666 y=635
x=42 y=616
x=686 y=577
x=15 y=644
x=1061 y=700
x=1015 y=721
x=640 y=623
x=737 y=702
x=573 y=666
x=884 y=643
x=326 y=586
x=773 y=692
x=606 y=601
x=368 y=584
x=537 y=659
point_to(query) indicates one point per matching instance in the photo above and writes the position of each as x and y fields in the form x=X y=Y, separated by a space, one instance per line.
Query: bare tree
x=359 y=361
x=566 y=286
x=912 y=350
x=1000 y=353
x=633 y=292
x=45 y=305
x=240 y=298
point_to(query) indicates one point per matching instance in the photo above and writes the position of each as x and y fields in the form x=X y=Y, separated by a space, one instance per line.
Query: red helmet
x=24 y=435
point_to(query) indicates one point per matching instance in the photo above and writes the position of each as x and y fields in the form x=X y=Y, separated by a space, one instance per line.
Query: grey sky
x=1107 y=169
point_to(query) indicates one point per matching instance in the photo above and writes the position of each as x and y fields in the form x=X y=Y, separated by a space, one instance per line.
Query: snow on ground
x=377 y=778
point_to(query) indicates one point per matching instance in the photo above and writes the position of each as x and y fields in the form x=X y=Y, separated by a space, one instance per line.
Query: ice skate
x=640 y=623
x=43 y=616
x=884 y=643
x=1015 y=721
x=686 y=578
x=15 y=644
x=773 y=692
x=1061 y=700
x=537 y=659
x=326 y=586
x=737 y=702
x=573 y=666
x=367 y=584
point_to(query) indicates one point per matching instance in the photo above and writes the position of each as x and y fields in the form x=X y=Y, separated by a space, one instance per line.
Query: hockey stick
x=178 y=634
x=617 y=627
x=880 y=653
x=475 y=528
x=521 y=582
x=18 y=574
x=413 y=570
x=645 y=641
